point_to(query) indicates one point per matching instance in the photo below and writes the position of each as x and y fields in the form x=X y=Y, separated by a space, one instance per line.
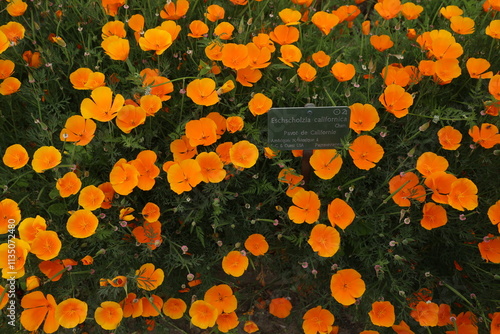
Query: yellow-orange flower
x=318 y=320
x=202 y=92
x=280 y=307
x=124 y=177
x=155 y=39
x=326 y=163
x=71 y=312
x=116 y=48
x=382 y=314
x=44 y=158
x=91 y=198
x=174 y=308
x=10 y=214
x=38 y=308
x=9 y=86
x=149 y=277
x=29 y=228
x=346 y=285
x=365 y=152
x=15 y=156
x=244 y=154
x=78 y=130
x=325 y=240
x=82 y=224
x=234 y=263
x=256 y=244
x=46 y=245
x=306 y=208
x=340 y=213
x=396 y=100
x=184 y=175
x=203 y=314
x=108 y=315
x=102 y=107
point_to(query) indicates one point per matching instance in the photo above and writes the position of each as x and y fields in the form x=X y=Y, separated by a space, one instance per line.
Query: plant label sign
x=307 y=128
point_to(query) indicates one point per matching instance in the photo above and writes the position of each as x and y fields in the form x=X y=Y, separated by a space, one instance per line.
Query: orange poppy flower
x=487 y=136
x=256 y=244
x=223 y=151
x=214 y=51
x=87 y=260
x=449 y=138
x=111 y=6
x=280 y=307
x=132 y=306
x=306 y=72
x=174 y=10
x=463 y=195
x=290 y=17
x=151 y=104
x=149 y=278
x=108 y=315
x=9 y=210
x=156 y=39
x=221 y=297
x=284 y=35
x=32 y=283
x=381 y=43
x=46 y=245
x=201 y=132
x=325 y=240
x=235 y=56
x=224 y=30
x=306 y=208
x=495 y=323
x=202 y=92
x=212 y=168
x=6 y=68
x=411 y=11
x=182 y=150
x=136 y=22
x=388 y=9
x=445 y=47
x=366 y=27
x=494 y=214
x=79 y=130
x=203 y=314
x=158 y=85
x=113 y=28
x=102 y=107
x=477 y=68
x=340 y=213
x=198 y=29
x=109 y=194
x=129 y=117
x=151 y=307
x=13 y=267
x=434 y=216
x=493 y=29
x=490 y=249
x=321 y=59
x=124 y=177
x=4 y=42
x=234 y=263
x=396 y=100
x=402 y=328
x=430 y=162
x=174 y=308
x=446 y=70
x=408 y=189
x=118 y=281
x=38 y=308
x=244 y=154
x=325 y=21
x=382 y=314
x=343 y=72
x=82 y=224
x=426 y=313
x=172 y=28
x=184 y=175
x=15 y=156
x=364 y=117
x=116 y=48
x=84 y=78
x=263 y=41
x=29 y=228
x=220 y=122
x=14 y=31
x=427 y=67
x=450 y=11
x=148 y=171
x=9 y=86
x=214 y=13
x=44 y=158
x=52 y=269
x=318 y=320
x=494 y=86
x=227 y=321
x=71 y=312
x=250 y=327
x=259 y=104
x=346 y=285
x=248 y=76
x=91 y=198
x=326 y=163
x=462 y=25
x=365 y=152
x=347 y=13
x=234 y=124
x=440 y=184
x=16 y=7
x=149 y=233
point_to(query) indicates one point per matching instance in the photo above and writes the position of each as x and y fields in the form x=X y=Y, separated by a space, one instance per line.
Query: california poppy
x=15 y=156
x=16 y=7
x=477 y=68
x=124 y=177
x=91 y=198
x=157 y=40
x=6 y=68
x=365 y=152
x=426 y=313
x=280 y=307
x=430 y=162
x=203 y=314
x=148 y=171
x=9 y=86
x=463 y=195
x=44 y=158
x=494 y=214
x=151 y=306
x=78 y=130
x=214 y=13
x=445 y=47
x=343 y=72
x=434 y=216
x=82 y=224
x=235 y=56
x=250 y=327
x=347 y=13
x=182 y=150
x=493 y=29
x=325 y=240
x=38 y=308
x=244 y=154
x=4 y=42
x=158 y=85
x=149 y=233
x=306 y=208
x=259 y=104
x=326 y=163
x=102 y=107
x=227 y=321
x=14 y=31
x=46 y=245
x=284 y=34
x=198 y=29
x=407 y=188
x=184 y=175
x=174 y=308
x=289 y=16
x=263 y=41
x=490 y=249
x=14 y=267
x=396 y=100
x=132 y=306
x=402 y=328
x=318 y=320
x=364 y=117
x=29 y=228
x=292 y=179
x=84 y=78
x=174 y=10
x=325 y=21
x=382 y=314
x=111 y=6
x=71 y=312
x=224 y=30
x=487 y=136
x=234 y=124
x=10 y=214
x=411 y=11
x=346 y=285
x=202 y=92
x=306 y=72
x=462 y=25
x=113 y=28
x=234 y=263
x=222 y=298
x=116 y=48
x=340 y=213
x=109 y=194
x=211 y=167
x=449 y=138
x=321 y=59
x=248 y=76
x=136 y=22
x=149 y=277
x=388 y=9
x=446 y=70
x=108 y=315
x=450 y=11
x=382 y=42
x=440 y=183
x=256 y=244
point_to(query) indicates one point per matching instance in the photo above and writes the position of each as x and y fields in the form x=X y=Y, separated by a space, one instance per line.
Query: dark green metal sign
x=307 y=128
